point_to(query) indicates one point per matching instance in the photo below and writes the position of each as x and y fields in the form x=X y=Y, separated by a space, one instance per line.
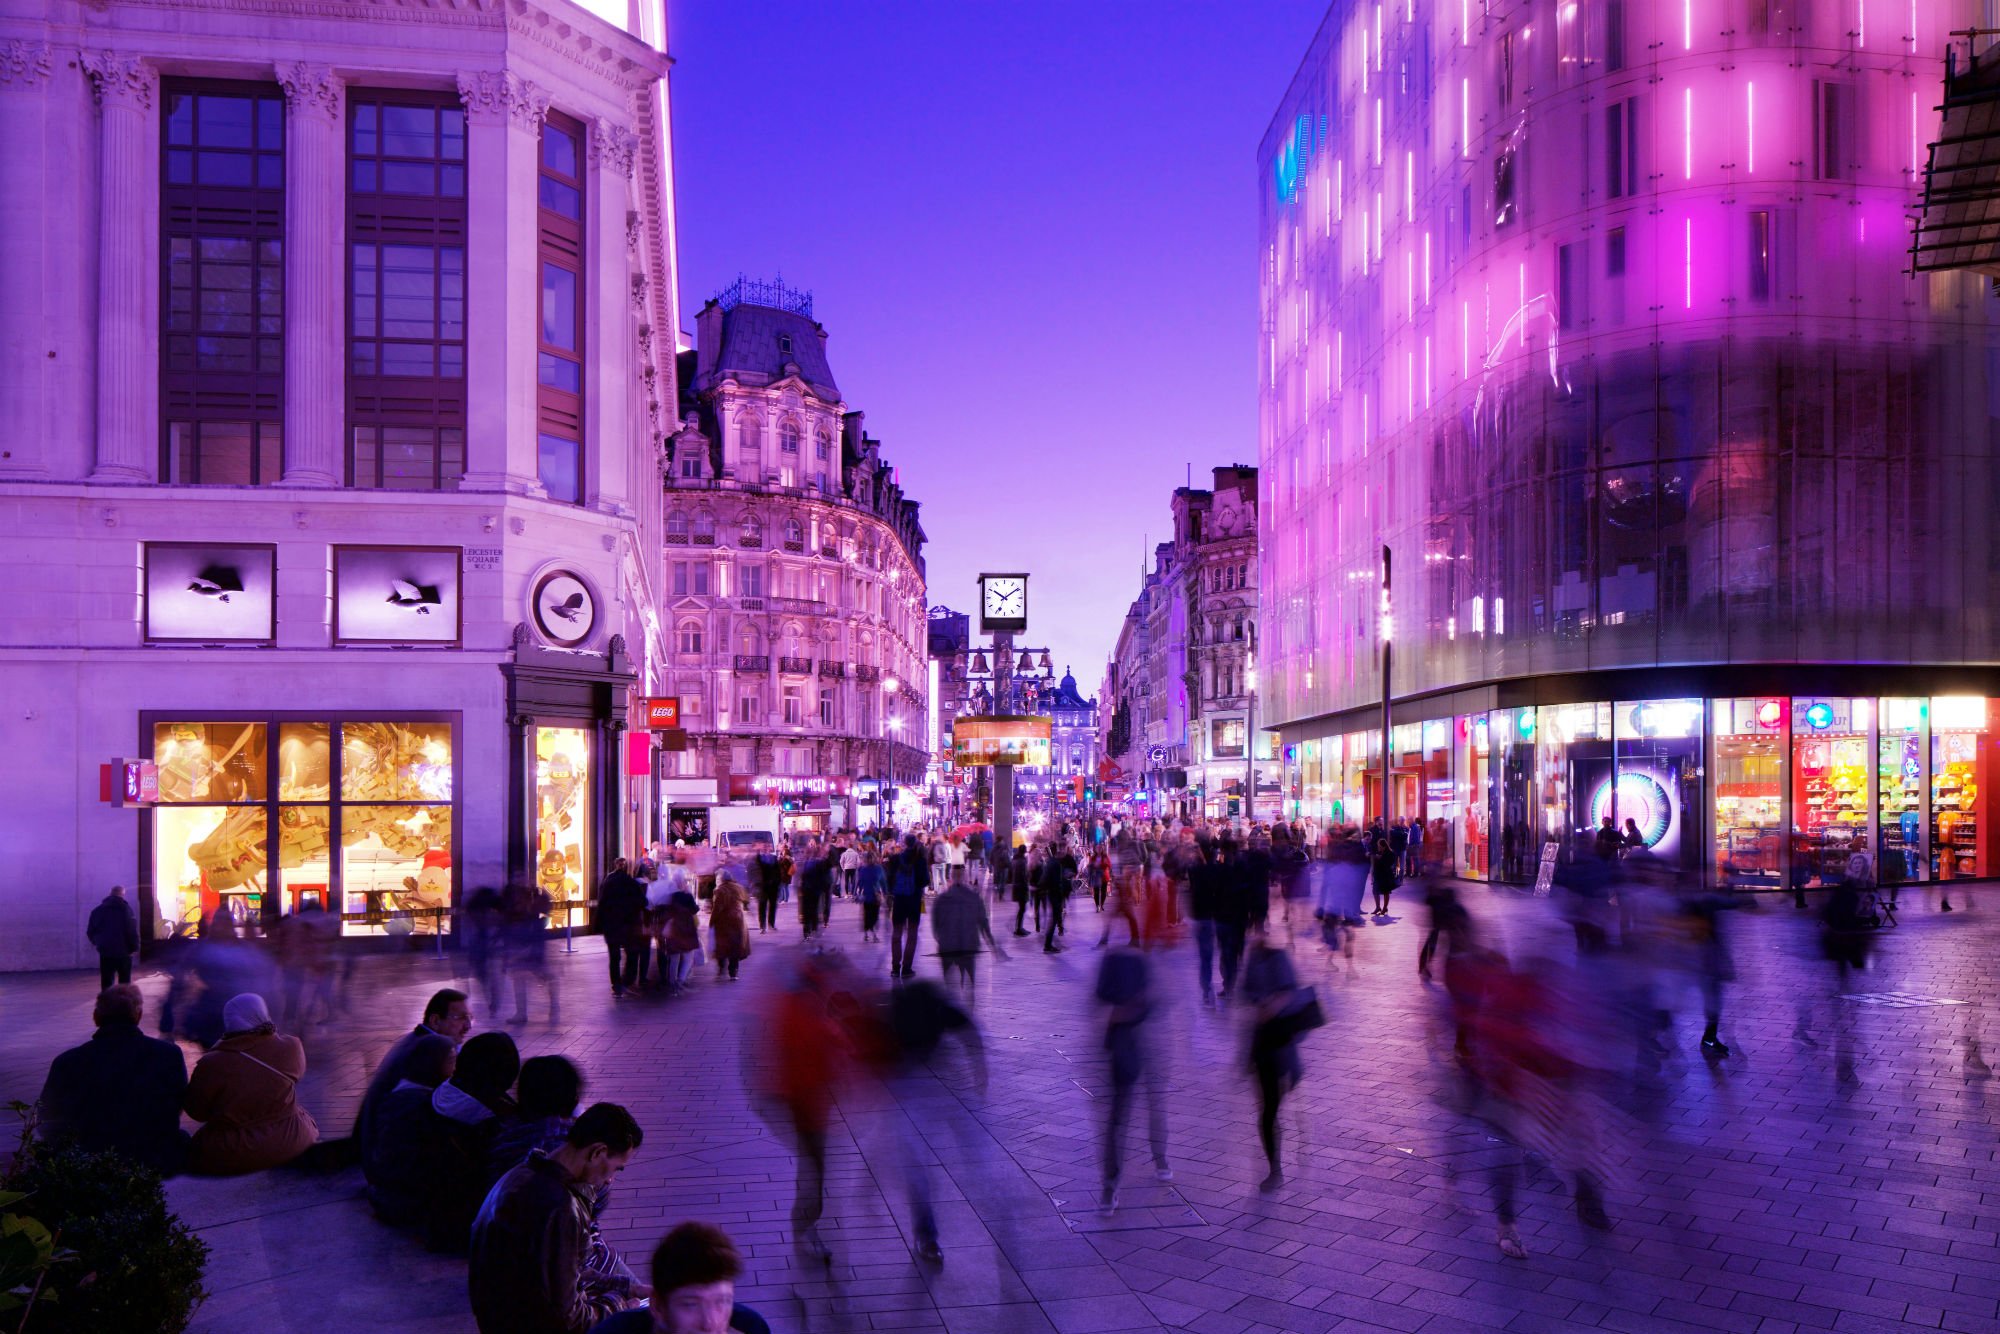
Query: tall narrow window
x=222 y=225
x=1760 y=255
x=1621 y=148
x=406 y=291
x=1569 y=287
x=1614 y=34
x=1833 y=131
x=559 y=361
x=1614 y=253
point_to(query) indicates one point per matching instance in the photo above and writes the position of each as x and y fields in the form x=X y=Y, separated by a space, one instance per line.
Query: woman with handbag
x=1285 y=1012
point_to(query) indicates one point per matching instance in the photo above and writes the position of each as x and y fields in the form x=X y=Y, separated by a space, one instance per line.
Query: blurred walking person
x=528 y=948
x=728 y=924
x=809 y=1060
x=1284 y=1013
x=1124 y=988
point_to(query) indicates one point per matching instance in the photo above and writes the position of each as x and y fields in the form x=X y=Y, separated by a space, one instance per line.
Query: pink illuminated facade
x=1598 y=314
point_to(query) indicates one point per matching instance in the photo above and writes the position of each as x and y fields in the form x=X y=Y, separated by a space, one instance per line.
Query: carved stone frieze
x=24 y=64
x=120 y=80
x=491 y=96
x=312 y=89
x=614 y=146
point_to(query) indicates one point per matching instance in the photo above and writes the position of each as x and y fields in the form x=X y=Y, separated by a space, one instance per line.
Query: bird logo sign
x=218 y=582
x=569 y=609
x=419 y=598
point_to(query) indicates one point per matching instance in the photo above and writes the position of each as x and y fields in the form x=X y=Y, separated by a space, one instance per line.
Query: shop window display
x=1657 y=796
x=1513 y=736
x=1832 y=810
x=1475 y=795
x=393 y=871
x=1747 y=790
x=1573 y=759
x=1902 y=765
x=562 y=818
x=1961 y=770
x=1441 y=804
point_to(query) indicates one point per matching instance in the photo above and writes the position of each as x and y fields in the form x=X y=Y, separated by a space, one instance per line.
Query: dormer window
x=785 y=344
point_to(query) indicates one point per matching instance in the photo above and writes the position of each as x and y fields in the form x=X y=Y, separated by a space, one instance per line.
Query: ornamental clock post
x=1003 y=613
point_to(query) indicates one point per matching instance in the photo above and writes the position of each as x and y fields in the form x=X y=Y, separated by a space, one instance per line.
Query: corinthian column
x=315 y=237
x=503 y=114
x=24 y=77
x=126 y=441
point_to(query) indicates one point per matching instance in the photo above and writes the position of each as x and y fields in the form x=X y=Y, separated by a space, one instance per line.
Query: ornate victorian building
x=1183 y=668
x=795 y=579
x=331 y=488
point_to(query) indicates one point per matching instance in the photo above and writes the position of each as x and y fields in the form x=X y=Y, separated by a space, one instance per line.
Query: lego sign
x=129 y=783
x=663 y=713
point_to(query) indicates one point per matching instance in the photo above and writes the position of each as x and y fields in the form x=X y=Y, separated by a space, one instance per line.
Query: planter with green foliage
x=125 y=1263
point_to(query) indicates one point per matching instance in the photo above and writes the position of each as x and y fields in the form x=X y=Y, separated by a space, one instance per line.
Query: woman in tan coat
x=725 y=918
x=245 y=1094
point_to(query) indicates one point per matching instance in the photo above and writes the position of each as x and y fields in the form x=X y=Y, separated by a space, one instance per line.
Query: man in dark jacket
x=529 y=1243
x=621 y=909
x=120 y=1091
x=113 y=931
x=447 y=1014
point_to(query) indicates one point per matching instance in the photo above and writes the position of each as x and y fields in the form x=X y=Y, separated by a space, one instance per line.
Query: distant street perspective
x=1061 y=667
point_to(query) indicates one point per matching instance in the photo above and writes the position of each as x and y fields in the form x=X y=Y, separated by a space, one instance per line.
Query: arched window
x=749 y=436
x=750 y=532
x=824 y=448
x=795 y=532
x=704 y=528
x=792 y=645
x=677 y=526
x=690 y=638
x=788 y=437
x=748 y=641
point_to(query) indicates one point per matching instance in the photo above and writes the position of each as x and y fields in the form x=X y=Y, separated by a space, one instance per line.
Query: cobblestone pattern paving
x=1756 y=1195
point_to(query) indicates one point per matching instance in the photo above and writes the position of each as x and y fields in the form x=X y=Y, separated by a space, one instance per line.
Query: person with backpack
x=113 y=931
x=909 y=877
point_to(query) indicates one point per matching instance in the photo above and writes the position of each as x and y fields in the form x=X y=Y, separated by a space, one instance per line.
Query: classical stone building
x=1183 y=666
x=334 y=366
x=795 y=579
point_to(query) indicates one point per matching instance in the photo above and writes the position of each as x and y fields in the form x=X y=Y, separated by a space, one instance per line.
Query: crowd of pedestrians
x=474 y=1151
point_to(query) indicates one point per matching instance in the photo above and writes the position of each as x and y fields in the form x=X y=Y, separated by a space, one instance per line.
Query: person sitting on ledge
x=245 y=1092
x=531 y=1239
x=398 y=1155
x=472 y=1107
x=121 y=1091
x=695 y=1268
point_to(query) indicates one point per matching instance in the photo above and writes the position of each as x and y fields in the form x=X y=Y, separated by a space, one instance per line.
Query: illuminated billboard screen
x=1000 y=739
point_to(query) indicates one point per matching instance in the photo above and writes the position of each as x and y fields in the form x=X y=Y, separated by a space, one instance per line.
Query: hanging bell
x=979 y=662
x=1045 y=664
x=1027 y=664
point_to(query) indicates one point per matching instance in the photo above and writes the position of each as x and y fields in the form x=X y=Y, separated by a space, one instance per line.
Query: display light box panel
x=396 y=595
x=211 y=593
x=1001 y=739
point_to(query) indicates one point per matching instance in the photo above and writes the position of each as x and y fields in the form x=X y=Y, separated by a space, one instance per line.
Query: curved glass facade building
x=1599 y=314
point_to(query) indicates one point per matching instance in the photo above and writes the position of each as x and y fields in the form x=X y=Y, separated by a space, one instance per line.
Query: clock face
x=1006 y=599
x=565 y=609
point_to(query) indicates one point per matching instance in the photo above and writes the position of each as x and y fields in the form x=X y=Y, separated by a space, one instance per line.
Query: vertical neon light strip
x=1465 y=117
x=1378 y=39
x=1427 y=266
x=1465 y=21
x=1379 y=211
x=1687 y=25
x=1465 y=340
x=1409 y=386
x=1409 y=285
x=1378 y=131
x=1427 y=384
x=1340 y=189
x=1410 y=186
x=1687 y=264
x=1687 y=134
x=1364 y=243
x=1750 y=126
x=1861 y=22
x=1364 y=59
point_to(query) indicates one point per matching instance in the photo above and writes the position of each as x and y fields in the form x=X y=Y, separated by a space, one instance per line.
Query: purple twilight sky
x=1030 y=231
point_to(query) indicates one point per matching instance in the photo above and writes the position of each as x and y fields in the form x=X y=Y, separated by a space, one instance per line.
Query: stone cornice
x=491 y=96
x=121 y=80
x=24 y=64
x=311 y=88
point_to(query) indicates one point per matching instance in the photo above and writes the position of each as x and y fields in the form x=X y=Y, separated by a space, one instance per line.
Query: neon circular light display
x=1819 y=716
x=1641 y=798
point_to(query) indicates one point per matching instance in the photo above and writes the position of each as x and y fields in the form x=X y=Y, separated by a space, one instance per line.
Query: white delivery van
x=740 y=828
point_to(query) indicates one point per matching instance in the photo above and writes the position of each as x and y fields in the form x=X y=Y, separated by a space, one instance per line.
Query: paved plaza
x=1756 y=1195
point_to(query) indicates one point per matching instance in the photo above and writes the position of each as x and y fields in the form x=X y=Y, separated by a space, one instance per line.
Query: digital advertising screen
x=1000 y=739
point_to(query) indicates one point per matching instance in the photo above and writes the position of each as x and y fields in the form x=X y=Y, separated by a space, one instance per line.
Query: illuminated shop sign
x=770 y=786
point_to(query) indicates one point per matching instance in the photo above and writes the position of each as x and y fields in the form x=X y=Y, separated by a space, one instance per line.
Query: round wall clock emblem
x=564 y=607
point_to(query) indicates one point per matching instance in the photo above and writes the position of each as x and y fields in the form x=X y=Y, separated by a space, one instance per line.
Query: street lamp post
x=1250 y=729
x=891 y=724
x=1386 y=627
